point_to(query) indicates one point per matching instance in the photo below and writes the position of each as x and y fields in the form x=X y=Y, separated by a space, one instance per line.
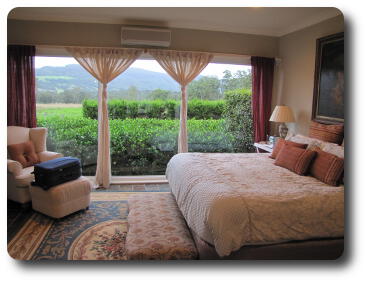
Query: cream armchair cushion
x=48 y=155
x=19 y=178
x=38 y=137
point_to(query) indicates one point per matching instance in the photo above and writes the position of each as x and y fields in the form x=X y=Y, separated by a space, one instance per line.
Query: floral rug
x=95 y=234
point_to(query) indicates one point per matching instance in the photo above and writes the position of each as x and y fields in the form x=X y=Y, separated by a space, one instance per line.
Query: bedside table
x=262 y=147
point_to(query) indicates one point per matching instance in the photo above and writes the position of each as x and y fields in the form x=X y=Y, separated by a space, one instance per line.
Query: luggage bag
x=57 y=171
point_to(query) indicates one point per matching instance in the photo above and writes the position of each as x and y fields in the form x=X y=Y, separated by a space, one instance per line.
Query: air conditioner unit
x=145 y=36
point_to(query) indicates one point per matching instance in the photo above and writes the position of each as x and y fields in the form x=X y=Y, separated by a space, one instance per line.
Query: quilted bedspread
x=236 y=199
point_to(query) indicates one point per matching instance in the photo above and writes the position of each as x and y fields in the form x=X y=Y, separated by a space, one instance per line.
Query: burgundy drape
x=21 y=86
x=262 y=86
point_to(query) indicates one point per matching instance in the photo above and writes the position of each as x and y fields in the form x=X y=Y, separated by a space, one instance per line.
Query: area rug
x=95 y=234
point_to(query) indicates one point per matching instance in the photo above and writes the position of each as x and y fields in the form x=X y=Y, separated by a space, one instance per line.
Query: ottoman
x=63 y=199
x=157 y=229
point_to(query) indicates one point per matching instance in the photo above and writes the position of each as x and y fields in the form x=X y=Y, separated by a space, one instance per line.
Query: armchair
x=19 y=178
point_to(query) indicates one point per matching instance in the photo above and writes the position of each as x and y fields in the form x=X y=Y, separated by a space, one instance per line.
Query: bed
x=240 y=205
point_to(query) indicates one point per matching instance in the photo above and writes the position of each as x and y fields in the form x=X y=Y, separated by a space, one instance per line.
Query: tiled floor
x=137 y=188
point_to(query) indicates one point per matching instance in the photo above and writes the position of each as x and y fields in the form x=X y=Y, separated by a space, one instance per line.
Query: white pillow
x=311 y=142
x=333 y=149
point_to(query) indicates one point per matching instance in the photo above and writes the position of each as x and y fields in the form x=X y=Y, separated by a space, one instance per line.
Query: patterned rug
x=95 y=234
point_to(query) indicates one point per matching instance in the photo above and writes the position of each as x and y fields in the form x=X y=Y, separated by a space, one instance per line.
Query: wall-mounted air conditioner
x=145 y=36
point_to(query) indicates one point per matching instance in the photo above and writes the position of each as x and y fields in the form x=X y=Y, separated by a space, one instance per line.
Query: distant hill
x=74 y=76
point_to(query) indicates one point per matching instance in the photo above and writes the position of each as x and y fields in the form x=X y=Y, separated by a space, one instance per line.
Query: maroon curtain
x=21 y=86
x=262 y=86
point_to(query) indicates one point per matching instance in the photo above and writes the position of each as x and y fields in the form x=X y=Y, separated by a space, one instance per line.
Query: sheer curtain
x=262 y=88
x=104 y=64
x=21 y=86
x=183 y=67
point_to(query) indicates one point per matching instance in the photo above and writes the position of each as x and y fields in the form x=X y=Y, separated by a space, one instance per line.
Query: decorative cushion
x=295 y=159
x=24 y=153
x=328 y=133
x=279 y=145
x=327 y=168
x=157 y=229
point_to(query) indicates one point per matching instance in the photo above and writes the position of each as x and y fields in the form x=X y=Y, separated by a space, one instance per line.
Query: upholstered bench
x=63 y=199
x=157 y=230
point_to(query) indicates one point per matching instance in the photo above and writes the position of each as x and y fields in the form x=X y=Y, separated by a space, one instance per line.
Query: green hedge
x=145 y=145
x=238 y=116
x=158 y=109
x=138 y=146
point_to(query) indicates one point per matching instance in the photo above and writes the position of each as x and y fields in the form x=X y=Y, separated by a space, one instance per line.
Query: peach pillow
x=327 y=168
x=281 y=142
x=328 y=133
x=24 y=153
x=295 y=159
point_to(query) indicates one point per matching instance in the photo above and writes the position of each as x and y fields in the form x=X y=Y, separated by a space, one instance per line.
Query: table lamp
x=282 y=114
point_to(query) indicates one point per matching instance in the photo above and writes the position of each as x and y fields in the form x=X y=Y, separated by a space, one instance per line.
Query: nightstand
x=262 y=147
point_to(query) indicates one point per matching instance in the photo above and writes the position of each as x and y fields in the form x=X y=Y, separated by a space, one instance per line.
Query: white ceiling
x=262 y=21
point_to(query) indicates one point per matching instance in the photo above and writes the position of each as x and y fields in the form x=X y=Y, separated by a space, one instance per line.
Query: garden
x=144 y=133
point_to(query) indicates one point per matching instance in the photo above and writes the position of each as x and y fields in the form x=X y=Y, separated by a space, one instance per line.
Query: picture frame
x=328 y=96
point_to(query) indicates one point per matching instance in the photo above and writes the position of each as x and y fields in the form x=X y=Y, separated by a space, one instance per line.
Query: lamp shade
x=282 y=114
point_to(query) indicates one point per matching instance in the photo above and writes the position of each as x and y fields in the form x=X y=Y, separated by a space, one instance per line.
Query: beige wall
x=108 y=35
x=295 y=83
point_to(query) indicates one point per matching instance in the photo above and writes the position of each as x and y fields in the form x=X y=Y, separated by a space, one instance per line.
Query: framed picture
x=328 y=96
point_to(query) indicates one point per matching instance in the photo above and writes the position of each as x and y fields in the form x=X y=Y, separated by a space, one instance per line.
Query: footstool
x=157 y=229
x=63 y=199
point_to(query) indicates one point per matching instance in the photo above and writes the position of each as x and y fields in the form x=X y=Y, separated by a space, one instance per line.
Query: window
x=144 y=106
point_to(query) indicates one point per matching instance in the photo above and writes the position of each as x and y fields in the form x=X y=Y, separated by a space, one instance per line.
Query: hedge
x=158 y=109
x=238 y=115
x=138 y=146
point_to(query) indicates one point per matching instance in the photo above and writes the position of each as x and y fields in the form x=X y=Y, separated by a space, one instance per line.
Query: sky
x=212 y=69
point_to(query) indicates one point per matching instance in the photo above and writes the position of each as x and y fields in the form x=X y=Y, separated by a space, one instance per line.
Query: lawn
x=61 y=110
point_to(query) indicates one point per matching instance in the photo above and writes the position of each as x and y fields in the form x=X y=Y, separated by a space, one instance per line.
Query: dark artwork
x=328 y=104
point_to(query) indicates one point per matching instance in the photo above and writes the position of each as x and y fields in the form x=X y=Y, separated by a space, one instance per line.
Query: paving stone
x=139 y=188
x=126 y=188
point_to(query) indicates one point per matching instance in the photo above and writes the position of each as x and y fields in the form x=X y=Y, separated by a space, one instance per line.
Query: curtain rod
x=146 y=50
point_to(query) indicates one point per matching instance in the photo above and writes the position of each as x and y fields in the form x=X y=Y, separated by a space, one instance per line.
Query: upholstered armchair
x=19 y=177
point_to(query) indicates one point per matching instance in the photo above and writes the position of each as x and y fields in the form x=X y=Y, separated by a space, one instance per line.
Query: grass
x=60 y=110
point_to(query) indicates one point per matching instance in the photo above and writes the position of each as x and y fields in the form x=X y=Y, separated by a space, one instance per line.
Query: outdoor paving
x=138 y=188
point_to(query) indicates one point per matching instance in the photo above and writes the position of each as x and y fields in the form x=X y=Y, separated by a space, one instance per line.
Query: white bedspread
x=232 y=200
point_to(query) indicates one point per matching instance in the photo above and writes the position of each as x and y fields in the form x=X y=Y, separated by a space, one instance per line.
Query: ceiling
x=261 y=21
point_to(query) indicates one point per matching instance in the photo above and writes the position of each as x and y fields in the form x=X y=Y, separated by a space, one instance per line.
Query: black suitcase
x=57 y=171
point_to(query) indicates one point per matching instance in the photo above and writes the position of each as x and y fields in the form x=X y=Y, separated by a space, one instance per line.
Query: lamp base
x=283 y=130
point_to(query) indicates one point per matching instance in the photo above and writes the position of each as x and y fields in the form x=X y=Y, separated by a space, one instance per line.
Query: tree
x=45 y=97
x=159 y=94
x=242 y=79
x=205 y=88
x=72 y=95
x=132 y=93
